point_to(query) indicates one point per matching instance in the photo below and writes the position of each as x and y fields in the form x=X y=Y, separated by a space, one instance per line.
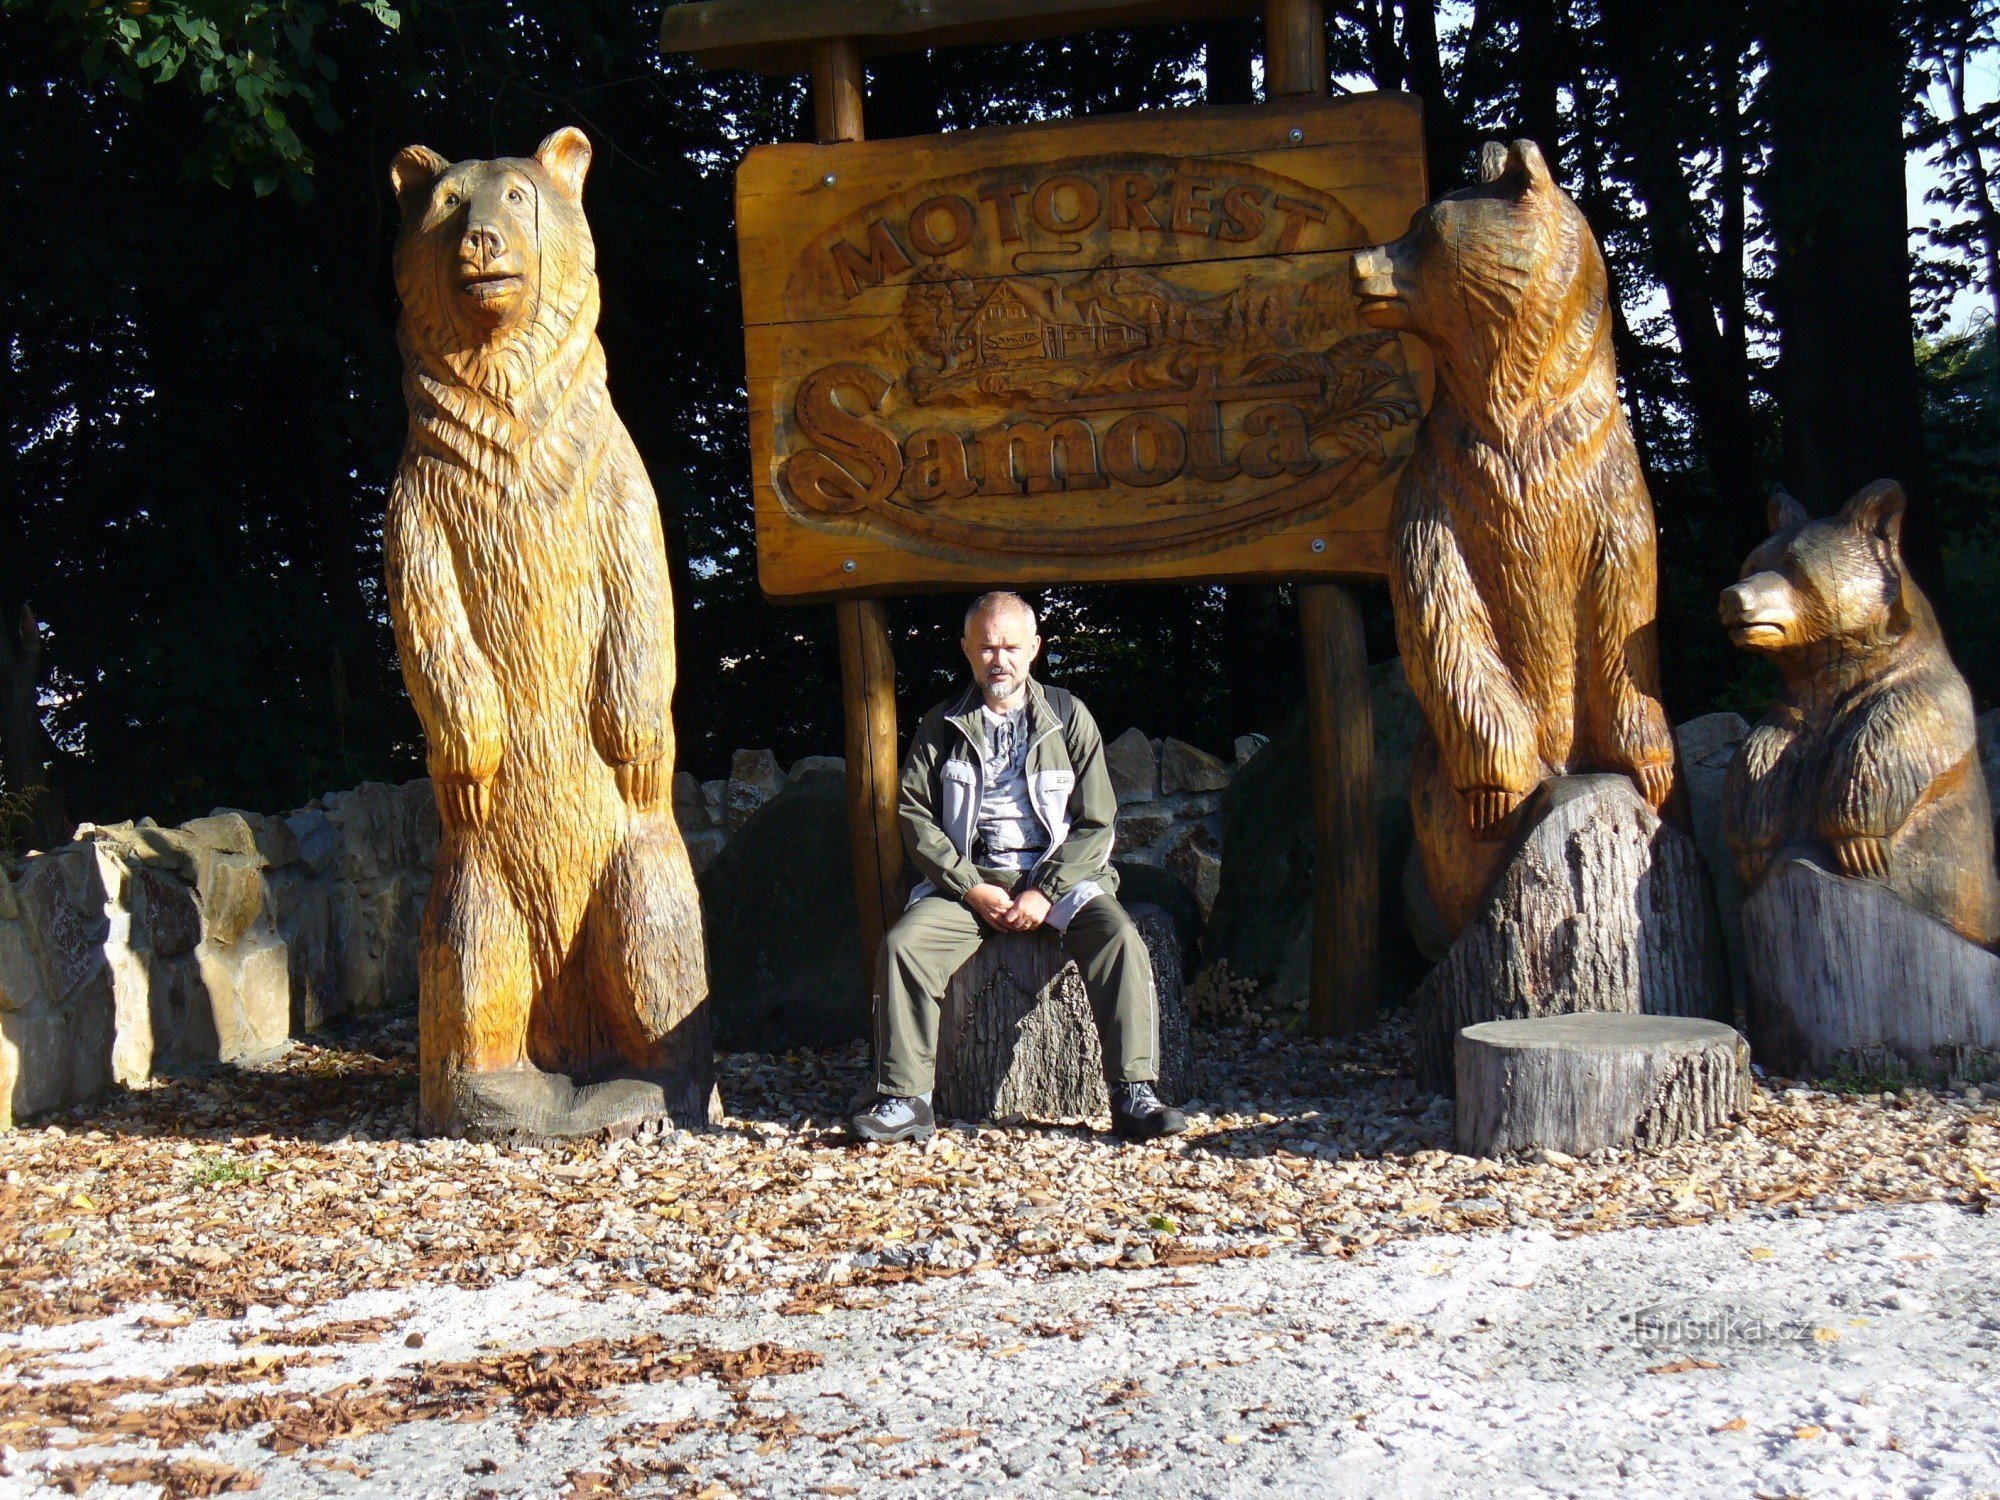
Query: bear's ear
x=1519 y=168
x=565 y=156
x=1877 y=511
x=1783 y=511
x=412 y=173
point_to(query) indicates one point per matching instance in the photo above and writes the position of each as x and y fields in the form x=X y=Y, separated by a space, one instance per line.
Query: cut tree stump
x=1600 y=906
x=1846 y=976
x=1017 y=1040
x=1583 y=1082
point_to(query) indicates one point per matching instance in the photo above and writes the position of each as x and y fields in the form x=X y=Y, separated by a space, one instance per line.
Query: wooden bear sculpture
x=1522 y=563
x=563 y=983
x=1869 y=761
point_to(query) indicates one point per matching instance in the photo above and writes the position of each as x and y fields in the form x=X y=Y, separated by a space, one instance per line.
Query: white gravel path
x=1853 y=1356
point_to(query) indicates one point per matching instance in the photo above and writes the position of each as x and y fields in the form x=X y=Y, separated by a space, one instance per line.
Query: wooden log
x=1580 y=1083
x=1017 y=1039
x=1598 y=906
x=1346 y=881
x=1846 y=976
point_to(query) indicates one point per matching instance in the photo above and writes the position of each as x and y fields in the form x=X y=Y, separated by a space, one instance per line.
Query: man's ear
x=1783 y=511
x=412 y=173
x=565 y=156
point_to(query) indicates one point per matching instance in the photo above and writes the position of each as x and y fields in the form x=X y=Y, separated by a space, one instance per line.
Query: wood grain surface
x=1113 y=349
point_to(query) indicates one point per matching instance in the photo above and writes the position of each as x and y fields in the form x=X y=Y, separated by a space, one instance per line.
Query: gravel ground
x=211 y=1281
x=1848 y=1356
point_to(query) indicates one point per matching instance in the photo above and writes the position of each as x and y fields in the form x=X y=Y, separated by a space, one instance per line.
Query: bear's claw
x=1488 y=808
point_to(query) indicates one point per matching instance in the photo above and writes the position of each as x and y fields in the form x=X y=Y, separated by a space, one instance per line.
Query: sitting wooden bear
x=1522 y=563
x=527 y=576
x=1870 y=754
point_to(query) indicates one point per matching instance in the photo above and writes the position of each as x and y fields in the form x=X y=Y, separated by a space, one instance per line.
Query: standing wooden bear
x=1523 y=575
x=563 y=984
x=1522 y=558
x=1857 y=812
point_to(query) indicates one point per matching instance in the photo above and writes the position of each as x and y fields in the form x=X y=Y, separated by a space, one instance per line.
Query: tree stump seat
x=1017 y=1039
x=1582 y=1082
x=1599 y=906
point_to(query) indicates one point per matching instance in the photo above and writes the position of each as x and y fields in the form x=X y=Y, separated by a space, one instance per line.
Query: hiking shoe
x=892 y=1117
x=1138 y=1115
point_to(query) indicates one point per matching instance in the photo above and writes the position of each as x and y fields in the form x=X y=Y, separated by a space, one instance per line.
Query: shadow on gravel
x=1266 y=1092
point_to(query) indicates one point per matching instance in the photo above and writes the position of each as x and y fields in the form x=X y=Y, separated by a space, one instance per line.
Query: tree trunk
x=36 y=814
x=1018 y=1040
x=1600 y=906
x=1579 y=1084
x=1845 y=976
x=1970 y=150
x=1447 y=141
x=1834 y=201
x=1653 y=82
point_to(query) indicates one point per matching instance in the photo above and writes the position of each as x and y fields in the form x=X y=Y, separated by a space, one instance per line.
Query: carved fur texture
x=1522 y=563
x=1868 y=764
x=527 y=577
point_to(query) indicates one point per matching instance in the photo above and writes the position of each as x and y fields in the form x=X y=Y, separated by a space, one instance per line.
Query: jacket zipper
x=979 y=786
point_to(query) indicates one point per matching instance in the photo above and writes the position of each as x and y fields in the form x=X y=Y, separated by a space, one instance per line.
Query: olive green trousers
x=936 y=935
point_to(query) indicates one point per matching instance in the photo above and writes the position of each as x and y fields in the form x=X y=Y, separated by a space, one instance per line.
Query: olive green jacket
x=1068 y=785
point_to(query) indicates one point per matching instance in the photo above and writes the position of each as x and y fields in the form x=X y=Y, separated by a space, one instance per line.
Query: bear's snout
x=1758 y=612
x=1381 y=299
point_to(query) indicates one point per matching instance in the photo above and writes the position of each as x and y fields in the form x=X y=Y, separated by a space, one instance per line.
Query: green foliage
x=214 y=1169
x=1961 y=377
x=260 y=65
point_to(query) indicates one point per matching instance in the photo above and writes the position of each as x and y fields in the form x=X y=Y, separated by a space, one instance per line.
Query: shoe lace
x=1140 y=1098
x=888 y=1106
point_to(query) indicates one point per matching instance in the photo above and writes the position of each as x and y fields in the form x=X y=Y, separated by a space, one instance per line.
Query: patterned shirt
x=1011 y=837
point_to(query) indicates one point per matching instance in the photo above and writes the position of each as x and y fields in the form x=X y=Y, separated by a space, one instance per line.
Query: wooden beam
x=1340 y=718
x=777 y=36
x=1294 y=47
x=867 y=661
x=836 y=89
x=868 y=696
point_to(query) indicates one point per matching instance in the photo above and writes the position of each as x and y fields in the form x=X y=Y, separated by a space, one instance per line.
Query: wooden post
x=1340 y=719
x=867 y=662
x=1340 y=716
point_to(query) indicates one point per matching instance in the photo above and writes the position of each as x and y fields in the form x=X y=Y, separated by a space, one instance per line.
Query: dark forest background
x=200 y=384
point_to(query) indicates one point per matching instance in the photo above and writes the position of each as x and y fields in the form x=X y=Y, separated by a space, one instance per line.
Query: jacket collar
x=964 y=712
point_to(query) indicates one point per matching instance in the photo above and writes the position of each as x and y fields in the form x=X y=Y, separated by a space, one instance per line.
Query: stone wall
x=1169 y=803
x=139 y=950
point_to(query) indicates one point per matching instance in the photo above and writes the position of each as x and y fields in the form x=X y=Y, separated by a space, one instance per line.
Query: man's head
x=1001 y=644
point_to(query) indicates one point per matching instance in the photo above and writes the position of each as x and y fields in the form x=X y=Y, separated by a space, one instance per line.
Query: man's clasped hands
x=993 y=906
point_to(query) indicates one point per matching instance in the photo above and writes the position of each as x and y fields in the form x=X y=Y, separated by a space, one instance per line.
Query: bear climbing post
x=562 y=984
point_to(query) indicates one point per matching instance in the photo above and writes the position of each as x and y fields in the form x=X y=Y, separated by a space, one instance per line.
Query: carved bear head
x=492 y=254
x=1502 y=279
x=1840 y=580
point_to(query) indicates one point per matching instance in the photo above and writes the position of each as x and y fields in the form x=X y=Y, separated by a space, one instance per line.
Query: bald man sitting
x=1007 y=811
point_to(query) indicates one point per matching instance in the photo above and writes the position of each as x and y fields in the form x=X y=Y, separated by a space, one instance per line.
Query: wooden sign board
x=1093 y=350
